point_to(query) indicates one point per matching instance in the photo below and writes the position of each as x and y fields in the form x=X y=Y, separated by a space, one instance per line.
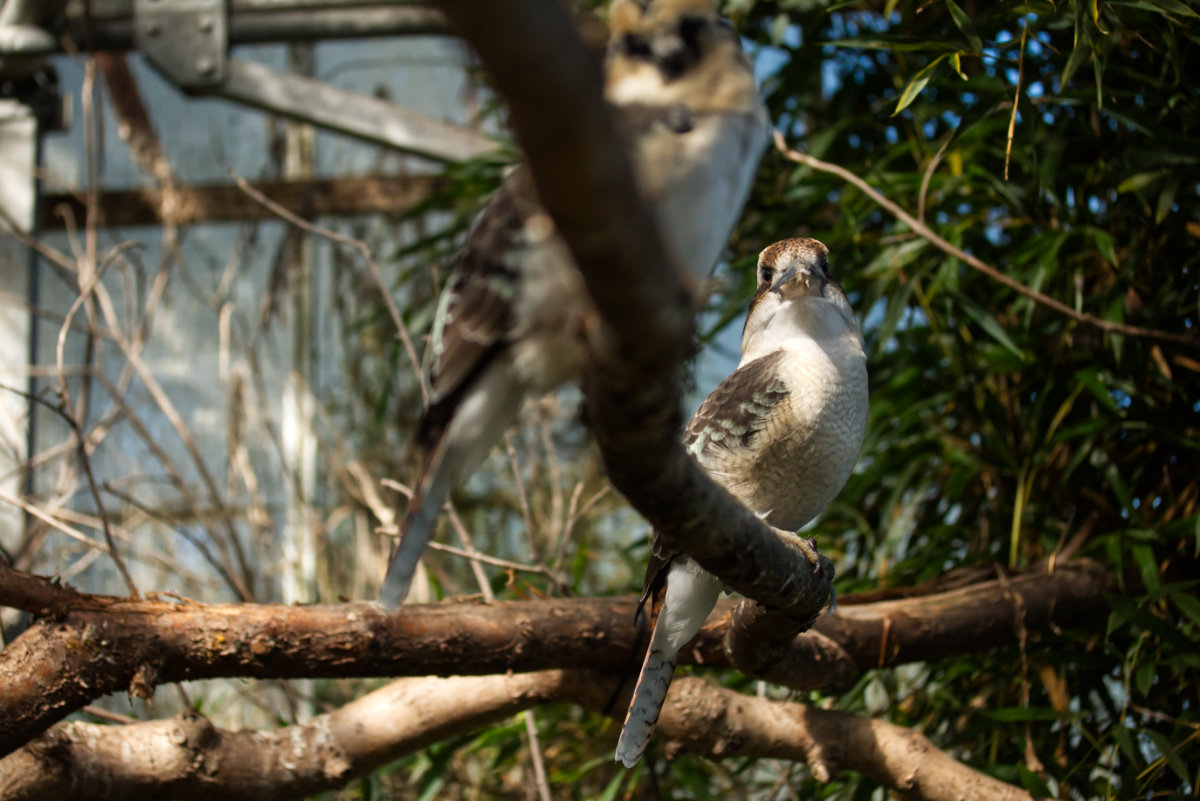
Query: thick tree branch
x=186 y=757
x=88 y=646
x=722 y=723
x=584 y=179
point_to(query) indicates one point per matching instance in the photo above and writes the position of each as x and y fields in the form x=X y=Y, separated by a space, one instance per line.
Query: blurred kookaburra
x=781 y=434
x=512 y=320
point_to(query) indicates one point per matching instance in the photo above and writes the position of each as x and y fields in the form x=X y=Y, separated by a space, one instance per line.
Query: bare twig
x=557 y=520
x=1012 y=120
x=231 y=578
x=54 y=522
x=494 y=561
x=928 y=176
x=88 y=281
x=111 y=717
x=472 y=553
x=922 y=230
x=167 y=407
x=522 y=494
x=364 y=251
x=560 y=550
x=535 y=754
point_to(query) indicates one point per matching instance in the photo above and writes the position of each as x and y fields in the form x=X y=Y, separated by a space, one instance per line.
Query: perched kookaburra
x=511 y=322
x=781 y=434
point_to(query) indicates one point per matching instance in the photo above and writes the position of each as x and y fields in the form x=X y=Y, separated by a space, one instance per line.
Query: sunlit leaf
x=1140 y=180
x=915 y=85
x=899 y=44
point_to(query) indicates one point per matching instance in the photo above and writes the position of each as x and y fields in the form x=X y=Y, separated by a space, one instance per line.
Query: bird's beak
x=783 y=279
x=793 y=283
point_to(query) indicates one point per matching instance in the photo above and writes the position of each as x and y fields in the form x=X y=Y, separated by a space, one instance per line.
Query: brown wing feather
x=478 y=316
x=656 y=576
x=737 y=410
x=732 y=415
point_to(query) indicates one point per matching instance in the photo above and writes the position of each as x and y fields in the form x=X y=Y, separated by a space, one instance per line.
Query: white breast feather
x=799 y=463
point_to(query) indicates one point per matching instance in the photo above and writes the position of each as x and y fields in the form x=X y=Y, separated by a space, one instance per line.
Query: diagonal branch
x=186 y=757
x=632 y=388
x=925 y=232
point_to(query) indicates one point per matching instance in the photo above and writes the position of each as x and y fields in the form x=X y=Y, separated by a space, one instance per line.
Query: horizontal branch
x=198 y=203
x=85 y=646
x=722 y=723
x=188 y=758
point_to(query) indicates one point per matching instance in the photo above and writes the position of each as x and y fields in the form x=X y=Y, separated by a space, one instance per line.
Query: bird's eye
x=766 y=274
x=690 y=28
x=636 y=46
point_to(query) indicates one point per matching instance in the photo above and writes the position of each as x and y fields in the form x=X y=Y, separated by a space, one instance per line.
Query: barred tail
x=648 y=697
x=415 y=532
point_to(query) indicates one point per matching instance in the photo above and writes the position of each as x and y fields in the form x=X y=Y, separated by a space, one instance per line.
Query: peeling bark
x=185 y=757
x=722 y=723
x=88 y=646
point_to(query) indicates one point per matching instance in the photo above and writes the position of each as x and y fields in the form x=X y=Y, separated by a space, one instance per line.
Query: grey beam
x=111 y=22
x=352 y=114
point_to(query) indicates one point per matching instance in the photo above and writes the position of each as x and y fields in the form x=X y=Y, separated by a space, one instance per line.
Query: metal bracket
x=188 y=40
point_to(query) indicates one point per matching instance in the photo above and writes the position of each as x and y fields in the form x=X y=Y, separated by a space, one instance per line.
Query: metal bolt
x=153 y=29
x=206 y=24
x=205 y=66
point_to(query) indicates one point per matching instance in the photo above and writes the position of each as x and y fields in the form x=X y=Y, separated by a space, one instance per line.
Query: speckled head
x=794 y=267
x=794 y=273
x=624 y=16
x=672 y=37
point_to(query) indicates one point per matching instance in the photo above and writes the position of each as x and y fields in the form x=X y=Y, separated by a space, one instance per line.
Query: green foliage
x=1001 y=431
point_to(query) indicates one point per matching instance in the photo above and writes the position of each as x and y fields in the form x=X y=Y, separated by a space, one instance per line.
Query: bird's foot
x=808 y=547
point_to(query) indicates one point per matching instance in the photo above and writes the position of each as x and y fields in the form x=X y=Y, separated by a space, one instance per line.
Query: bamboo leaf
x=1140 y=180
x=965 y=25
x=989 y=324
x=915 y=85
x=1167 y=749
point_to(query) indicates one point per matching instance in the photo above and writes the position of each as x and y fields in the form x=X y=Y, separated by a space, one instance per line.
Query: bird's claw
x=808 y=547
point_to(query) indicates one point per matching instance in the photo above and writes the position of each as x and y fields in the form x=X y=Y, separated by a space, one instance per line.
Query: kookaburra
x=781 y=434
x=512 y=320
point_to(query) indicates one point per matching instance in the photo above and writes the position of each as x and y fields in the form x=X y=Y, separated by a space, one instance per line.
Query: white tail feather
x=479 y=422
x=415 y=533
x=648 y=698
